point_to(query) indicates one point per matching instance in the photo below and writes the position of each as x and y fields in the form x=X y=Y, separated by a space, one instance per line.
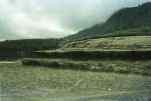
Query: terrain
x=38 y=83
x=121 y=43
x=127 y=21
x=16 y=49
x=108 y=62
x=58 y=75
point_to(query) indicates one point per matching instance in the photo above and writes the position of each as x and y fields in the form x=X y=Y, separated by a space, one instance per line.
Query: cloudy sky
x=54 y=18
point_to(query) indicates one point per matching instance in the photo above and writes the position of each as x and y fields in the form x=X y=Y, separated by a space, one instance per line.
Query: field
x=110 y=61
x=106 y=69
x=28 y=83
x=122 y=43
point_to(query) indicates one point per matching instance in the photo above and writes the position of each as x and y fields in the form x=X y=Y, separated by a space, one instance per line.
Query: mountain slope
x=124 y=19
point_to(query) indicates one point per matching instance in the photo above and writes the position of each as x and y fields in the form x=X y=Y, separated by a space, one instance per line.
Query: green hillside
x=110 y=43
x=29 y=44
x=131 y=20
x=20 y=48
x=107 y=62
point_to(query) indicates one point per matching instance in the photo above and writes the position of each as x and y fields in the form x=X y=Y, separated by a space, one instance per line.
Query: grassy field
x=36 y=83
x=107 y=69
x=142 y=67
x=122 y=43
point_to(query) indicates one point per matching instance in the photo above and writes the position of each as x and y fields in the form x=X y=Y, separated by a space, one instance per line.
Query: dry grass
x=130 y=42
x=116 y=66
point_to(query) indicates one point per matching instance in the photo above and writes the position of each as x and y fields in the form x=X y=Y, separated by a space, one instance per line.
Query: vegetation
x=116 y=66
x=124 y=19
x=125 y=22
x=28 y=83
x=22 y=48
x=110 y=43
x=85 y=68
x=29 y=44
x=95 y=54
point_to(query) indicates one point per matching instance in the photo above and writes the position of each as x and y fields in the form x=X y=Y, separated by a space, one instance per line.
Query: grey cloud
x=54 y=18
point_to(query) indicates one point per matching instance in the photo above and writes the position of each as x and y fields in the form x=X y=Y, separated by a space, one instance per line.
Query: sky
x=22 y=19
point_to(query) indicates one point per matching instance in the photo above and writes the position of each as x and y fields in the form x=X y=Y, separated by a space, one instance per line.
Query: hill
x=128 y=19
x=110 y=43
x=21 y=48
x=133 y=21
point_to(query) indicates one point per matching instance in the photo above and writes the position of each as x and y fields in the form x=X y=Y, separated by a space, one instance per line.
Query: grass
x=116 y=66
x=36 y=83
x=123 y=43
x=94 y=54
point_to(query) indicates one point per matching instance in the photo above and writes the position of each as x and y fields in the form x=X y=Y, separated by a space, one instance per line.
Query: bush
x=96 y=55
x=116 y=66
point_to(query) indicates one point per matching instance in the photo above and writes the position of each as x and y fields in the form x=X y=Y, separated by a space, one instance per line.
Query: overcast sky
x=54 y=18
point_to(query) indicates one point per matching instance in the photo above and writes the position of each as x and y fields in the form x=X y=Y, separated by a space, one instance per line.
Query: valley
x=109 y=61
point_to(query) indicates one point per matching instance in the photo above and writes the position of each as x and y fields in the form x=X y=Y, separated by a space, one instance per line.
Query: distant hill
x=29 y=44
x=132 y=21
x=21 y=48
x=125 y=19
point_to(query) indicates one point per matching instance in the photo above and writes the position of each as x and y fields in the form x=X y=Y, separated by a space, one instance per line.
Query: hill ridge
x=124 y=19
